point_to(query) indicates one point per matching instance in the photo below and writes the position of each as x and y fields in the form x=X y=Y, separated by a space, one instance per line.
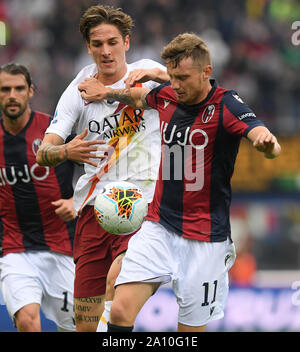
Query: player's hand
x=91 y=90
x=65 y=209
x=83 y=151
x=144 y=75
x=138 y=76
x=267 y=143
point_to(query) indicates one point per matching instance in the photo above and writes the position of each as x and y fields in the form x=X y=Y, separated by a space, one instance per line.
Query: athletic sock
x=117 y=328
x=102 y=325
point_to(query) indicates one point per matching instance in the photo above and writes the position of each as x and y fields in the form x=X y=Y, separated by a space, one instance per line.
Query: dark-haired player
x=36 y=208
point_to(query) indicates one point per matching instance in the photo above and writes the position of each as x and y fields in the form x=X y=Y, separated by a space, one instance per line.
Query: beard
x=14 y=115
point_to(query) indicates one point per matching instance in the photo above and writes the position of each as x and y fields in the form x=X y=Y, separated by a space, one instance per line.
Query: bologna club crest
x=208 y=113
x=35 y=145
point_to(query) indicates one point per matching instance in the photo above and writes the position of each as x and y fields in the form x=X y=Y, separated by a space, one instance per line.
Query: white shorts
x=42 y=277
x=198 y=270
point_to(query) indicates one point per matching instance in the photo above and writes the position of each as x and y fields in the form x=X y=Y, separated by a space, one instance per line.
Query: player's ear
x=88 y=47
x=207 y=71
x=31 y=91
x=127 y=42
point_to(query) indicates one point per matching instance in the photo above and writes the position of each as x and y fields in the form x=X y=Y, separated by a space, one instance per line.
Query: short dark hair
x=99 y=14
x=16 y=69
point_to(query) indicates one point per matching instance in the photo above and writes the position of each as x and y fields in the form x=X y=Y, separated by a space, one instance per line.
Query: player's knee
x=86 y=327
x=119 y=314
x=27 y=321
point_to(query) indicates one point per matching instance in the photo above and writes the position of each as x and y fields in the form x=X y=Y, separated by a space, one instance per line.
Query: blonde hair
x=186 y=45
x=99 y=14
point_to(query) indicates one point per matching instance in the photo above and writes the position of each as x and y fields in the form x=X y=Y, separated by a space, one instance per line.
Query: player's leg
x=145 y=266
x=88 y=311
x=22 y=291
x=89 y=292
x=128 y=301
x=201 y=290
x=57 y=303
x=187 y=328
x=92 y=262
x=110 y=292
x=27 y=319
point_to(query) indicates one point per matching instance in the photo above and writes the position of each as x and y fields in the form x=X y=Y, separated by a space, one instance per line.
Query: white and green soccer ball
x=120 y=208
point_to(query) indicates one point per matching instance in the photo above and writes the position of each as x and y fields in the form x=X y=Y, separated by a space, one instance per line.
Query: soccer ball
x=120 y=208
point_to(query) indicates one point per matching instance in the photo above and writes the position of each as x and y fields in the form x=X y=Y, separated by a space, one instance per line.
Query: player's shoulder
x=236 y=105
x=145 y=64
x=85 y=72
x=41 y=115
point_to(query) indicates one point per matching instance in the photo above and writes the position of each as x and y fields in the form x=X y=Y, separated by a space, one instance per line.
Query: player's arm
x=135 y=97
x=53 y=151
x=145 y=75
x=264 y=141
x=92 y=89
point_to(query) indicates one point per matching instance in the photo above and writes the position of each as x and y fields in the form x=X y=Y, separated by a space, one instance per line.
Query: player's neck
x=109 y=80
x=206 y=89
x=15 y=126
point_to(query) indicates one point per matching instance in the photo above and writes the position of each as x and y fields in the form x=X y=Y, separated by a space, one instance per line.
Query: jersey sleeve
x=156 y=97
x=66 y=113
x=238 y=118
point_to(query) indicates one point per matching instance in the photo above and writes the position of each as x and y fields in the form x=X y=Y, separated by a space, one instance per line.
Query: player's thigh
x=202 y=285
x=57 y=303
x=88 y=311
x=20 y=282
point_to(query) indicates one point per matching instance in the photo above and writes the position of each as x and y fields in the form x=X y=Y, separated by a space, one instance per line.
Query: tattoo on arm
x=125 y=96
x=51 y=155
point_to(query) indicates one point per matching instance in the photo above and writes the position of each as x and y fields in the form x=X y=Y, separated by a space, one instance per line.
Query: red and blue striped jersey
x=27 y=189
x=199 y=148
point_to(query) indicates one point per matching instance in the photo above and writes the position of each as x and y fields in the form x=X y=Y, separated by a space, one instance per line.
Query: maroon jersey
x=199 y=147
x=28 y=218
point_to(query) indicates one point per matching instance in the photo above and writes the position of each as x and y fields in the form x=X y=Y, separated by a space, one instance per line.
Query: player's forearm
x=160 y=76
x=52 y=155
x=134 y=96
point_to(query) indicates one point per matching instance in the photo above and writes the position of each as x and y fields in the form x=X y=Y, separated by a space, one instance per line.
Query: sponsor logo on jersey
x=246 y=115
x=166 y=103
x=197 y=138
x=121 y=124
x=238 y=98
x=12 y=175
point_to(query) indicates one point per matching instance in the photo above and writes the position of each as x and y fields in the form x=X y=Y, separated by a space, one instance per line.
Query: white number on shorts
x=206 y=291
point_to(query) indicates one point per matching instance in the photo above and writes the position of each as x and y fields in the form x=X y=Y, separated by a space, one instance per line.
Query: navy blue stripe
x=171 y=205
x=224 y=156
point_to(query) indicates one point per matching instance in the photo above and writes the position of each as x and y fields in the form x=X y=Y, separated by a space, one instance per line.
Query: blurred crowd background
x=250 y=41
x=253 y=53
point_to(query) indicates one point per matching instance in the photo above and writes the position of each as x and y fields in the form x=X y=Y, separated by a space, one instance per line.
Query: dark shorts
x=94 y=252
